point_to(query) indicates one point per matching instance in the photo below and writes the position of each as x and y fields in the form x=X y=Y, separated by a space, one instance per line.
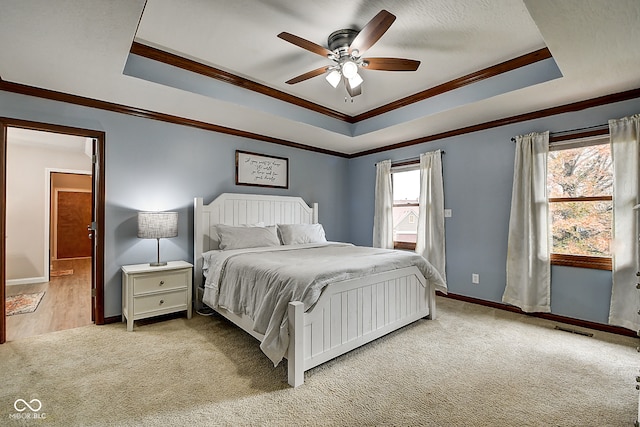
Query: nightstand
x=152 y=291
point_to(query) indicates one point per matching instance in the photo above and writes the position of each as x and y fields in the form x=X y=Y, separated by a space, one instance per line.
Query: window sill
x=407 y=246
x=596 y=263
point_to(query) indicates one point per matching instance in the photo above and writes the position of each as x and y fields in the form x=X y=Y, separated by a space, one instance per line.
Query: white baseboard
x=26 y=281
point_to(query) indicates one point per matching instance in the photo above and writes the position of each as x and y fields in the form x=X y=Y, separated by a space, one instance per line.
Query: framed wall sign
x=261 y=171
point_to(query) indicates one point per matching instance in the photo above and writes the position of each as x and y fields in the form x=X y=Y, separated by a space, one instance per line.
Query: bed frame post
x=295 y=356
x=198 y=204
x=432 y=301
x=314 y=219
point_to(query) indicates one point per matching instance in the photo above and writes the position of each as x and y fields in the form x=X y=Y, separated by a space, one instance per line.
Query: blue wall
x=478 y=176
x=154 y=165
x=151 y=165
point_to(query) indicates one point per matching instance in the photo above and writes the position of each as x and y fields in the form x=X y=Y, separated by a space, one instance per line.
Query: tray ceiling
x=83 y=48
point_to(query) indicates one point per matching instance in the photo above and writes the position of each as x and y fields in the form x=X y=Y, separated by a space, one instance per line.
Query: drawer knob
x=161 y=301
x=161 y=282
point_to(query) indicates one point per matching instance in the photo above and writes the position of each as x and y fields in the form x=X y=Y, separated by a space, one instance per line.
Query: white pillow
x=294 y=234
x=247 y=237
x=214 y=236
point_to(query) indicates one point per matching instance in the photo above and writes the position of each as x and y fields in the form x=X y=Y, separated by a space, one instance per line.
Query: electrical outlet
x=447 y=213
x=475 y=278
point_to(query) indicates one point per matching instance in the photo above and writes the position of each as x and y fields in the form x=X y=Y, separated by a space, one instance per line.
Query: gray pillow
x=247 y=237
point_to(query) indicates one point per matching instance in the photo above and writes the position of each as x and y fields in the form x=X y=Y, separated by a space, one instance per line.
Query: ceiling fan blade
x=372 y=32
x=353 y=92
x=305 y=44
x=308 y=75
x=391 y=64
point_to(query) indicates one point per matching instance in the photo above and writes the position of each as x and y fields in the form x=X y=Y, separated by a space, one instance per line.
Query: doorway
x=67 y=268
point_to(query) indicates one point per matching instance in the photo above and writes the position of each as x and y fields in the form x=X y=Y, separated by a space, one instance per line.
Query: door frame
x=98 y=177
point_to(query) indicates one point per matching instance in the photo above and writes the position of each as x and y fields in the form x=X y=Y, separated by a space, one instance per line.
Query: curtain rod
x=409 y=160
x=569 y=131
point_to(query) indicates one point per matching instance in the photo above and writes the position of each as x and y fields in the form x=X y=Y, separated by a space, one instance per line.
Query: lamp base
x=157 y=264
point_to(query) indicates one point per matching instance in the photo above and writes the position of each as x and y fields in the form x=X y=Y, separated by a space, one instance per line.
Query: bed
x=348 y=312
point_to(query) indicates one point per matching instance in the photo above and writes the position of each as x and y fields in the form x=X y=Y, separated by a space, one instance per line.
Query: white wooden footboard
x=352 y=313
x=347 y=315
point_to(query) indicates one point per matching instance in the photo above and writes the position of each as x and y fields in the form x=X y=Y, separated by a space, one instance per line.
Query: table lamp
x=157 y=225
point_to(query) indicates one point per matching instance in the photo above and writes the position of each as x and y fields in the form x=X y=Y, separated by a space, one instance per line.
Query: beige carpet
x=473 y=366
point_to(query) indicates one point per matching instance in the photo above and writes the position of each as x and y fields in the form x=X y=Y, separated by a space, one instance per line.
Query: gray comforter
x=260 y=282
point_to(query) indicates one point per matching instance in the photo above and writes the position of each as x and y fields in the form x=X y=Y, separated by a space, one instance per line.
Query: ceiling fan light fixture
x=333 y=78
x=345 y=48
x=355 y=81
x=349 y=69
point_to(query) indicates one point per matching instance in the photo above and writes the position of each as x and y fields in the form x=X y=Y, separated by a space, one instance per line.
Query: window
x=406 y=194
x=580 y=189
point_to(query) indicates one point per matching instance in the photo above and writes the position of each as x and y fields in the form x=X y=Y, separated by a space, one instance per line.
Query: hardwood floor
x=65 y=305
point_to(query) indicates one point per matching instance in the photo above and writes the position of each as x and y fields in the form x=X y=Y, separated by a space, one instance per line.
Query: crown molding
x=567 y=108
x=186 y=64
x=153 y=115
x=503 y=67
x=138 y=112
x=224 y=76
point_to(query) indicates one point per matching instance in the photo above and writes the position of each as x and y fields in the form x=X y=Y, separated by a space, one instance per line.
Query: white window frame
x=405 y=167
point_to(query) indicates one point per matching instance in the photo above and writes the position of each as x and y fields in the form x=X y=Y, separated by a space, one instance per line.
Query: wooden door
x=74 y=215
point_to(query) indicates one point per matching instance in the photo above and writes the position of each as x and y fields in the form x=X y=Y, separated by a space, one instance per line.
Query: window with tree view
x=580 y=188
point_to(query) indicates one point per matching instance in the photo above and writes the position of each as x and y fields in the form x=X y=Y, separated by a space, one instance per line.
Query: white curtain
x=625 y=150
x=430 y=242
x=528 y=259
x=383 y=211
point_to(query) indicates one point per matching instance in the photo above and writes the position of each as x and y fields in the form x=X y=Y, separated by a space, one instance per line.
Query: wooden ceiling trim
x=147 y=114
x=118 y=108
x=510 y=65
x=215 y=73
x=567 y=108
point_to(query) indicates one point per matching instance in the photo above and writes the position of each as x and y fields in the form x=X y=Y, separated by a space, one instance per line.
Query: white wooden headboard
x=238 y=209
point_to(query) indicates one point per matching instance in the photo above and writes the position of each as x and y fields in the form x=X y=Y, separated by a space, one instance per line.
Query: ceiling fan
x=346 y=48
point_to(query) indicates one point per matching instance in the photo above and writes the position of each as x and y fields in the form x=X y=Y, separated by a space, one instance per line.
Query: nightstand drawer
x=146 y=283
x=160 y=302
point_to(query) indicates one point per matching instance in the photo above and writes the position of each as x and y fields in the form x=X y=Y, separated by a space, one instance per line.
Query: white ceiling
x=48 y=140
x=81 y=47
